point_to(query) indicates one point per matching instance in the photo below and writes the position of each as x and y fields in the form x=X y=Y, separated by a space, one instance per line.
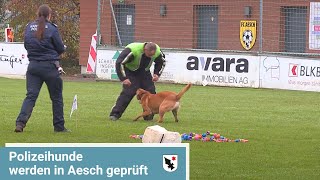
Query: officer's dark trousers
x=141 y=80
x=37 y=73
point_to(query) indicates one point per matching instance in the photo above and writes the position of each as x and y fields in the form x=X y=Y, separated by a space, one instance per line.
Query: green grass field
x=283 y=127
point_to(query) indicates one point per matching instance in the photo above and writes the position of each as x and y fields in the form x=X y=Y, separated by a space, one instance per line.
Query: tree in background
x=65 y=13
x=4 y=15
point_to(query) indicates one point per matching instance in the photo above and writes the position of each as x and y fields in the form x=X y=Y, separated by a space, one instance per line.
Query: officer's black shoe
x=65 y=130
x=113 y=118
x=148 y=118
x=18 y=129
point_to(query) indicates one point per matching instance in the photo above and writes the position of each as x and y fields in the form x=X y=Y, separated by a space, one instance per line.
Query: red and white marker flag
x=92 y=55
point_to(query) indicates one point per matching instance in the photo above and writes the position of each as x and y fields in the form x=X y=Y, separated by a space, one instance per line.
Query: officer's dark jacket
x=47 y=49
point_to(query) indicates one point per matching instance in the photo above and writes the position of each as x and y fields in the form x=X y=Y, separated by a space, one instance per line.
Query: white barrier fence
x=213 y=69
x=290 y=73
x=13 y=60
x=198 y=68
x=227 y=70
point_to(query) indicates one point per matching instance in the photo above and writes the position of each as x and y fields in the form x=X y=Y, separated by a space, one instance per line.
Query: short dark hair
x=150 y=46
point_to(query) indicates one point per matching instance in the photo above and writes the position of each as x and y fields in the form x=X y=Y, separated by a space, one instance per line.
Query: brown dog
x=160 y=103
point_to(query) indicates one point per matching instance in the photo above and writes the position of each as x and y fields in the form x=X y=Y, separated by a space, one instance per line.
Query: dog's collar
x=140 y=95
x=143 y=93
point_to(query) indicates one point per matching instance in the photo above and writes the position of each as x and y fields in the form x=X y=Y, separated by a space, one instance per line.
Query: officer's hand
x=126 y=82
x=155 y=78
x=60 y=69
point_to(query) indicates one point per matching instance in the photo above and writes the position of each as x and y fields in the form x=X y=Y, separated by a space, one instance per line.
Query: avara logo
x=296 y=70
x=218 y=64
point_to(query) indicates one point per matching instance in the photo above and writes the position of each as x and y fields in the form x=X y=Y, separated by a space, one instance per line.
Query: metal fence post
x=98 y=22
x=261 y=27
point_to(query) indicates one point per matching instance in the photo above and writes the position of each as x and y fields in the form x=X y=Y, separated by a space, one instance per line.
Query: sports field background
x=283 y=127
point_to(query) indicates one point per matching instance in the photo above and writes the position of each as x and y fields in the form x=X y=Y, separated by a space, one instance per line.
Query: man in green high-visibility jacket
x=133 y=69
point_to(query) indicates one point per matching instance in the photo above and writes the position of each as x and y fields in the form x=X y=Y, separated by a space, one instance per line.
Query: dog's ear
x=139 y=94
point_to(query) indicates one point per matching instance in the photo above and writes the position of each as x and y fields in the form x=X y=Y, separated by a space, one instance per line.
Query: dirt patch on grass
x=79 y=78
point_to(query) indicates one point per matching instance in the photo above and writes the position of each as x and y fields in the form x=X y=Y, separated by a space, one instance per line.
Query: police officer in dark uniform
x=133 y=69
x=44 y=46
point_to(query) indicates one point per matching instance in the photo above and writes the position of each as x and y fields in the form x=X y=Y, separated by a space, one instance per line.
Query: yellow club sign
x=248 y=34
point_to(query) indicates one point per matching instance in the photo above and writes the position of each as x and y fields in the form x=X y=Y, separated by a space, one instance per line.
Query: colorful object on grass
x=205 y=137
x=134 y=136
x=208 y=136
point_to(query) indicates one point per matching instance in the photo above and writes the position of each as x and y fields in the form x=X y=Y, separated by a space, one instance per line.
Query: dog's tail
x=186 y=88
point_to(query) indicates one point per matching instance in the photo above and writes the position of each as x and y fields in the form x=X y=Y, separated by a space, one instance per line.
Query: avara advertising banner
x=13 y=60
x=290 y=73
x=214 y=69
x=195 y=68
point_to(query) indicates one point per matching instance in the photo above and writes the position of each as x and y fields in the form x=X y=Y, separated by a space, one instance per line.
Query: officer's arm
x=57 y=42
x=159 y=64
x=25 y=36
x=124 y=57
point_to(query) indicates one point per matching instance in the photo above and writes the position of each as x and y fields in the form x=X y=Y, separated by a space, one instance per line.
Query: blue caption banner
x=94 y=161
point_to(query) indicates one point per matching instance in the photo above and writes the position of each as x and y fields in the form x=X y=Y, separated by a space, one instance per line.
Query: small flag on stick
x=74 y=105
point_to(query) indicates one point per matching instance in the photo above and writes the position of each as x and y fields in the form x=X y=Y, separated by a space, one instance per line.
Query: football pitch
x=283 y=127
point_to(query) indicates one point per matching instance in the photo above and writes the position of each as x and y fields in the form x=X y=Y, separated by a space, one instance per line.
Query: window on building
x=293 y=29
